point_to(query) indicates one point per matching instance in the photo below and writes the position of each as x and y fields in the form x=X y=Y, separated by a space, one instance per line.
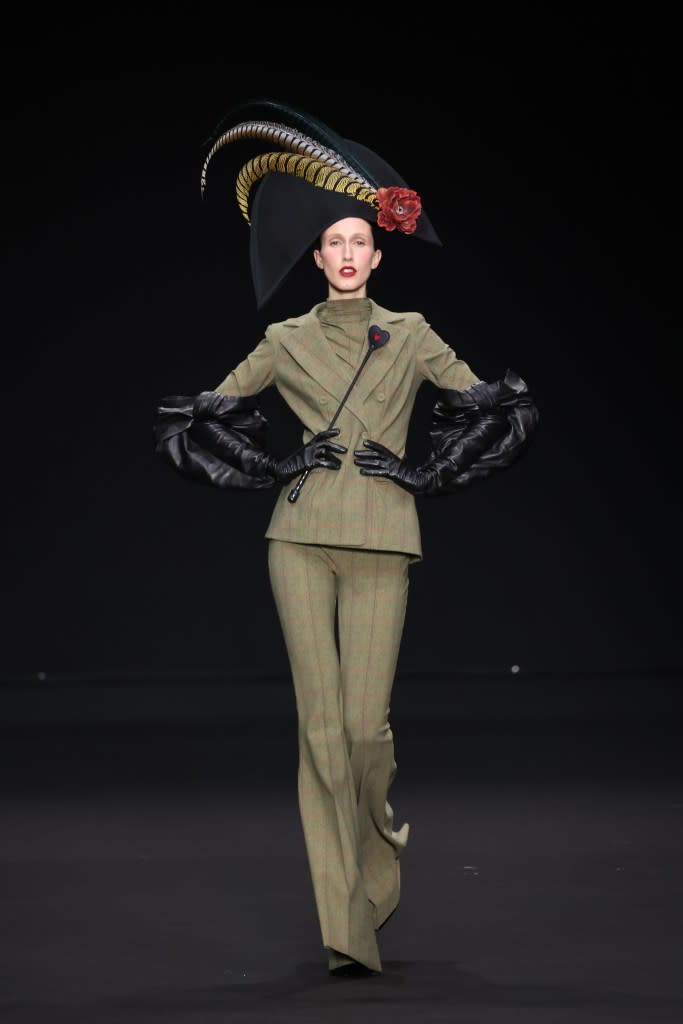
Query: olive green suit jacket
x=342 y=507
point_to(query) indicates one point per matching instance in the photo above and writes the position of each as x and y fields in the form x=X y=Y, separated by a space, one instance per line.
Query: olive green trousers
x=346 y=746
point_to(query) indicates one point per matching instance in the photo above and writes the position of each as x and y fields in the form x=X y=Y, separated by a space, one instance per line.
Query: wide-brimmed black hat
x=308 y=179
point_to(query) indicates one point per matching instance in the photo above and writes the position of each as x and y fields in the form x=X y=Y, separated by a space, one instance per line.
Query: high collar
x=345 y=325
x=305 y=341
x=342 y=311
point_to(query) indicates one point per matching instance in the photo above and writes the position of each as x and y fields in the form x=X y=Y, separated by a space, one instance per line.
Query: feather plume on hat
x=312 y=179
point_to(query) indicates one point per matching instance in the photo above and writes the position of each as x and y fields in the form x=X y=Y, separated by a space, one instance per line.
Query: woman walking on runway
x=344 y=530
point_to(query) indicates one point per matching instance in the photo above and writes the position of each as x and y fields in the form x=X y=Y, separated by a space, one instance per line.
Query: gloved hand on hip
x=379 y=461
x=316 y=452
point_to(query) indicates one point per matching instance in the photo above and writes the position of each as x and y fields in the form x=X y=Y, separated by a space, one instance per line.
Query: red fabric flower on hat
x=398 y=208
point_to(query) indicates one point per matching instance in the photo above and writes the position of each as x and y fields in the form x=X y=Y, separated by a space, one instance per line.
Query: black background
x=543 y=147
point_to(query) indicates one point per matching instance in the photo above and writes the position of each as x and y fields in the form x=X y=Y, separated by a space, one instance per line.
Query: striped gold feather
x=314 y=171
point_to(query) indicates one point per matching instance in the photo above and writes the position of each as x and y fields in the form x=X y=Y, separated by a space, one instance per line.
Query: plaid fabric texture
x=346 y=745
x=343 y=507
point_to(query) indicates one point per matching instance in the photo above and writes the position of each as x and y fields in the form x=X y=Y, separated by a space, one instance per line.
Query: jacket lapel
x=306 y=343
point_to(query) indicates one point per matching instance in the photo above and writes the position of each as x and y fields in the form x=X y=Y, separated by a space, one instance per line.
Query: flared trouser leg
x=373 y=595
x=346 y=751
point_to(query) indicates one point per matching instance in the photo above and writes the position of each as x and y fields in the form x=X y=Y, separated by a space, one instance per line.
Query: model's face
x=347 y=256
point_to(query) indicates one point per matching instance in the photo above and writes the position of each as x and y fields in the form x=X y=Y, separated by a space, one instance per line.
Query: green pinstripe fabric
x=349 y=540
x=346 y=744
x=345 y=508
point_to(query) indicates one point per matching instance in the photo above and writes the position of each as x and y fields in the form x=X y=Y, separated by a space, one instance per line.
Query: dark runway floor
x=153 y=864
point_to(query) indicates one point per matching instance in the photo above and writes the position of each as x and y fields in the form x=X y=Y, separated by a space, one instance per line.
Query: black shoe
x=354 y=970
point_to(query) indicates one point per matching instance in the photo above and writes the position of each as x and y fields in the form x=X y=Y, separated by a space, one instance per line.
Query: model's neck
x=336 y=296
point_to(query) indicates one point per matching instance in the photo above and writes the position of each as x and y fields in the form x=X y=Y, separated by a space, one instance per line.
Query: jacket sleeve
x=478 y=430
x=438 y=363
x=253 y=374
x=218 y=437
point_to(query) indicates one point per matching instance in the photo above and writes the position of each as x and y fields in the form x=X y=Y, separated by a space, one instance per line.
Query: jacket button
x=323 y=400
x=380 y=396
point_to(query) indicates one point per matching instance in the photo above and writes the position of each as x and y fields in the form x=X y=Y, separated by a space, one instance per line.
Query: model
x=344 y=530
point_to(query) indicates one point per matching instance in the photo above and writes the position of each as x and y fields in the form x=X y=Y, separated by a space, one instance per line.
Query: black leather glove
x=480 y=430
x=316 y=452
x=379 y=461
x=220 y=439
x=474 y=432
x=214 y=439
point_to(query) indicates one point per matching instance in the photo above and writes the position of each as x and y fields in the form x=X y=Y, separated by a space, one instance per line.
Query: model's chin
x=350 y=284
x=347 y=286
